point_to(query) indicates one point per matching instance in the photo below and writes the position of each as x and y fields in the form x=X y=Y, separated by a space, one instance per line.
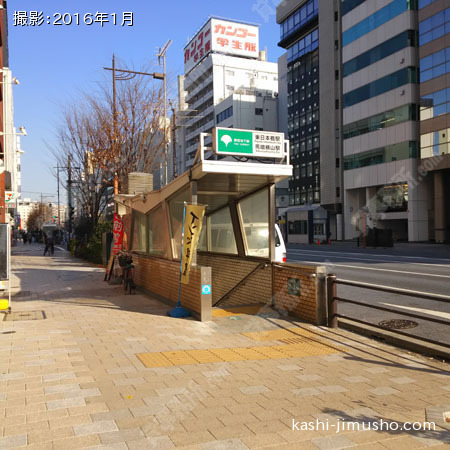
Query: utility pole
x=162 y=54
x=174 y=140
x=69 y=193
x=41 y=209
x=57 y=178
x=122 y=74
x=116 y=181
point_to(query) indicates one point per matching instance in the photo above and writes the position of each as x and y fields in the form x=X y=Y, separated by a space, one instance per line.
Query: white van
x=256 y=236
x=280 y=247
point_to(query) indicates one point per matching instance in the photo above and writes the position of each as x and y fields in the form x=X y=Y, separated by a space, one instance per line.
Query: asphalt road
x=420 y=268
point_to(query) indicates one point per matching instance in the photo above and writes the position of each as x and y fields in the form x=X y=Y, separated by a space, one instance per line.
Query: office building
x=223 y=63
x=380 y=119
x=247 y=111
x=310 y=91
x=434 y=65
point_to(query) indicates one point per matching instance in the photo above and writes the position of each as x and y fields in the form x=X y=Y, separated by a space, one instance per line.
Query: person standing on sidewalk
x=49 y=245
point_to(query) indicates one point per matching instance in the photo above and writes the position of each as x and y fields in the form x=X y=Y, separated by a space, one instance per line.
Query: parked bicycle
x=126 y=263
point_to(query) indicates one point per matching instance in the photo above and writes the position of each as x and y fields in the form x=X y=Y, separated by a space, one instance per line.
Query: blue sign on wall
x=206 y=289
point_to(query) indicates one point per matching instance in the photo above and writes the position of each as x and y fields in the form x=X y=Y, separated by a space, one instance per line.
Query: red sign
x=222 y=36
x=117 y=234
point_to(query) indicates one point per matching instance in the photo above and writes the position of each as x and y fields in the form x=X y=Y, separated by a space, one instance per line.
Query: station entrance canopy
x=238 y=191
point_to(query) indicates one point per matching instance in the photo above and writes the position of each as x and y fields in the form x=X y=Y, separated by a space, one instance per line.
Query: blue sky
x=54 y=64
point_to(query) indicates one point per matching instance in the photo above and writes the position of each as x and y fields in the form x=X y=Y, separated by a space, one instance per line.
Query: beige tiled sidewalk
x=73 y=379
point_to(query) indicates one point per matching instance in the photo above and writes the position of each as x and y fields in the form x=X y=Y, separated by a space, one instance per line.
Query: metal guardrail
x=333 y=301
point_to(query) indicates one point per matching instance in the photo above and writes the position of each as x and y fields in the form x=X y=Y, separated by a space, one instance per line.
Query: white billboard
x=223 y=36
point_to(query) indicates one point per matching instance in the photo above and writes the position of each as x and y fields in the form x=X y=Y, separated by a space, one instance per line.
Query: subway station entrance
x=236 y=248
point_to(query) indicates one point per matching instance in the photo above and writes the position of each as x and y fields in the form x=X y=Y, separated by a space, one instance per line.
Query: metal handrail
x=333 y=300
x=396 y=311
x=402 y=333
x=400 y=291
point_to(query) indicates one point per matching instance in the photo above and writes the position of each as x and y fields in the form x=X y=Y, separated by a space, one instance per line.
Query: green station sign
x=234 y=141
x=230 y=141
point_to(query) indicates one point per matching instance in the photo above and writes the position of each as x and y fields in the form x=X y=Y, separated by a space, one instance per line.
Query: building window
x=423 y=3
x=298 y=227
x=319 y=229
x=338 y=191
x=375 y=20
x=224 y=114
x=434 y=27
x=230 y=88
x=380 y=86
x=435 y=143
x=338 y=163
x=230 y=73
x=140 y=228
x=300 y=17
x=348 y=5
x=336 y=16
x=395 y=152
x=336 y=104
x=221 y=232
x=435 y=65
x=405 y=39
x=336 y=74
x=305 y=45
x=383 y=120
x=435 y=104
x=259 y=111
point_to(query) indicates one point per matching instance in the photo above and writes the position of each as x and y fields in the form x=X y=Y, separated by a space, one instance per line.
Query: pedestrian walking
x=49 y=245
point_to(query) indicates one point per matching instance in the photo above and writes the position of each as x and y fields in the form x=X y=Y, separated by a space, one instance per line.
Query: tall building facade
x=4 y=179
x=434 y=64
x=381 y=119
x=310 y=31
x=222 y=59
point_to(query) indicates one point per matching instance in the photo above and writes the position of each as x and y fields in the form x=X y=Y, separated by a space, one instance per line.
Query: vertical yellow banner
x=192 y=227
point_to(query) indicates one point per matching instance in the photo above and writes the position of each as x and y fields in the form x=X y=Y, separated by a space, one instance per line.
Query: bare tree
x=36 y=217
x=103 y=146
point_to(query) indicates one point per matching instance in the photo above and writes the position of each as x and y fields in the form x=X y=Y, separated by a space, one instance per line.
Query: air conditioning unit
x=140 y=183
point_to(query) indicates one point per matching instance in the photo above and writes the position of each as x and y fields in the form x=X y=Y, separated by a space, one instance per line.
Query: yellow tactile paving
x=236 y=311
x=187 y=357
x=154 y=360
x=227 y=354
x=203 y=356
x=250 y=354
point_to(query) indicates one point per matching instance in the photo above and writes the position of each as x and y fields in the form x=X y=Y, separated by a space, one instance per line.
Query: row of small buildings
x=10 y=147
x=363 y=95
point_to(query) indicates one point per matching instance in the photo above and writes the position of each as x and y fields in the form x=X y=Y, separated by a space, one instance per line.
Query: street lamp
x=124 y=75
x=23 y=132
x=14 y=81
x=162 y=55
